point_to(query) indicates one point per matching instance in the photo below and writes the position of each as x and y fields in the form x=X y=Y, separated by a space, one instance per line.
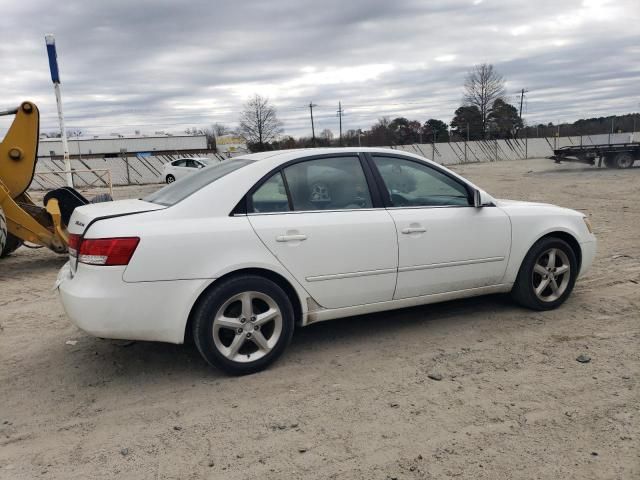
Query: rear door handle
x=291 y=238
x=409 y=230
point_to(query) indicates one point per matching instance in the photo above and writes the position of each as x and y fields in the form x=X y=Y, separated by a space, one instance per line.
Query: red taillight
x=74 y=244
x=103 y=251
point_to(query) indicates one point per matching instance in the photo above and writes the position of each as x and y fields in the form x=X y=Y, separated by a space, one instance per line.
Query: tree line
x=485 y=113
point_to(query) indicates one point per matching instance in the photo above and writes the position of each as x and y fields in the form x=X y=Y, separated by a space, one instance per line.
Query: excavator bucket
x=20 y=219
x=19 y=149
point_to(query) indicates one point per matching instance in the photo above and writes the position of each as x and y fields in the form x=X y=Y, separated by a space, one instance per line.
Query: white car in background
x=183 y=167
x=238 y=255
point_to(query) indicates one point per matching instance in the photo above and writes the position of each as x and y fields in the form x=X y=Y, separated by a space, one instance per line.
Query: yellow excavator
x=21 y=220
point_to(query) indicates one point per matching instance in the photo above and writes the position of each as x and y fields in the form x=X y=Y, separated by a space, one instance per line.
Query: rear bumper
x=588 y=255
x=98 y=301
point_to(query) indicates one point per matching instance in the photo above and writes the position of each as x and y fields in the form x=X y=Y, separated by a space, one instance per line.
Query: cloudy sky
x=167 y=65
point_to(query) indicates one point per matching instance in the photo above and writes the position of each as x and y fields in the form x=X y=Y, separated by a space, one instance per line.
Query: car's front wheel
x=243 y=324
x=170 y=179
x=547 y=275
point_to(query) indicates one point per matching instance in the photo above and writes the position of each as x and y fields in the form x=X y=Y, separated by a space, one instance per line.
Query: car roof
x=264 y=161
x=285 y=155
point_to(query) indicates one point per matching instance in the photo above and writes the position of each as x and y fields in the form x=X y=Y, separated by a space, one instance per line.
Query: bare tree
x=327 y=136
x=74 y=132
x=259 y=123
x=220 y=129
x=483 y=86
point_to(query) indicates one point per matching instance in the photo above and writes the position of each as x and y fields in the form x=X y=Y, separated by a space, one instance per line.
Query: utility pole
x=340 y=113
x=55 y=78
x=313 y=130
x=465 y=144
x=522 y=92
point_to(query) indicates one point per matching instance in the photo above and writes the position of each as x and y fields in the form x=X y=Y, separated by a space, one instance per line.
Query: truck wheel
x=8 y=243
x=623 y=160
x=609 y=162
x=13 y=243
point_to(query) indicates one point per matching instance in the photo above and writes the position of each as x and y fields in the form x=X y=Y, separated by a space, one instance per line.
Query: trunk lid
x=86 y=215
x=83 y=216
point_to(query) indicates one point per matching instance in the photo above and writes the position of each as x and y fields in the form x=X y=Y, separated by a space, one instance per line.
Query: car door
x=445 y=243
x=177 y=168
x=191 y=166
x=319 y=218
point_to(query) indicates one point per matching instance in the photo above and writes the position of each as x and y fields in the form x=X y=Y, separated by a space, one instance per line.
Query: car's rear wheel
x=170 y=179
x=243 y=324
x=547 y=275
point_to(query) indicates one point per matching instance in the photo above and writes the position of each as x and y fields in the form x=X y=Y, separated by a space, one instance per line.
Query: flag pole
x=55 y=78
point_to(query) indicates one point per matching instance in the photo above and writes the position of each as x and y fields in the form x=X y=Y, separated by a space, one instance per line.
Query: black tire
x=524 y=289
x=3 y=231
x=101 y=198
x=623 y=160
x=11 y=245
x=209 y=309
x=609 y=162
x=170 y=179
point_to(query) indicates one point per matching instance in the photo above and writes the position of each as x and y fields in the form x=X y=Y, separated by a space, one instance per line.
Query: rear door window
x=336 y=183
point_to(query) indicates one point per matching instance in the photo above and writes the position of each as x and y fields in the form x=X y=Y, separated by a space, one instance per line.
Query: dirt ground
x=350 y=398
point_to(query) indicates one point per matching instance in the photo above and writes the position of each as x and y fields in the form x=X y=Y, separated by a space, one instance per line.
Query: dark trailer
x=614 y=155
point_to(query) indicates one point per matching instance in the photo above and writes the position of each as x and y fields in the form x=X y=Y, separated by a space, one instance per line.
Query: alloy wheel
x=247 y=327
x=551 y=274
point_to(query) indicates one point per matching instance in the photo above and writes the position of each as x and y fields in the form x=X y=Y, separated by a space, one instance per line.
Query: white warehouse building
x=129 y=160
x=120 y=144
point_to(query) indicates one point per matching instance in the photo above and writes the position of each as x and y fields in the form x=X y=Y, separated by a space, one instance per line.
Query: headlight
x=587 y=222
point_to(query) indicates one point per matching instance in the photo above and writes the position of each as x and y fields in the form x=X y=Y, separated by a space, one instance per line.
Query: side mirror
x=481 y=199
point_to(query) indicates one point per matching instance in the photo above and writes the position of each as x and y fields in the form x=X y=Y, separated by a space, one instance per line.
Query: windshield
x=177 y=191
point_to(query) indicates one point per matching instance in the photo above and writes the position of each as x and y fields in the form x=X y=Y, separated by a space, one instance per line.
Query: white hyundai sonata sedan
x=238 y=255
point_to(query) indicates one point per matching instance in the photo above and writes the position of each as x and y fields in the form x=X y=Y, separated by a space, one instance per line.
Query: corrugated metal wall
x=497 y=150
x=144 y=170
x=129 y=170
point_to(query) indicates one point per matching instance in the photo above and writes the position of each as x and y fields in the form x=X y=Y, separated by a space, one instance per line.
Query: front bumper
x=588 y=255
x=98 y=301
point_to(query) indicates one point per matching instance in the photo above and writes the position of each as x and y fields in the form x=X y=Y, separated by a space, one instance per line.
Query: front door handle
x=409 y=230
x=291 y=238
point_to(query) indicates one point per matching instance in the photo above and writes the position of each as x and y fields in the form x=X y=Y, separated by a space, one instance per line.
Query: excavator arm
x=25 y=221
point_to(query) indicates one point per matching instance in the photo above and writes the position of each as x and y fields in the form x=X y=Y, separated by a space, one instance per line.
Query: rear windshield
x=177 y=191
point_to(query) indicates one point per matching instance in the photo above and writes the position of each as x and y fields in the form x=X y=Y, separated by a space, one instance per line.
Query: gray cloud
x=168 y=65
